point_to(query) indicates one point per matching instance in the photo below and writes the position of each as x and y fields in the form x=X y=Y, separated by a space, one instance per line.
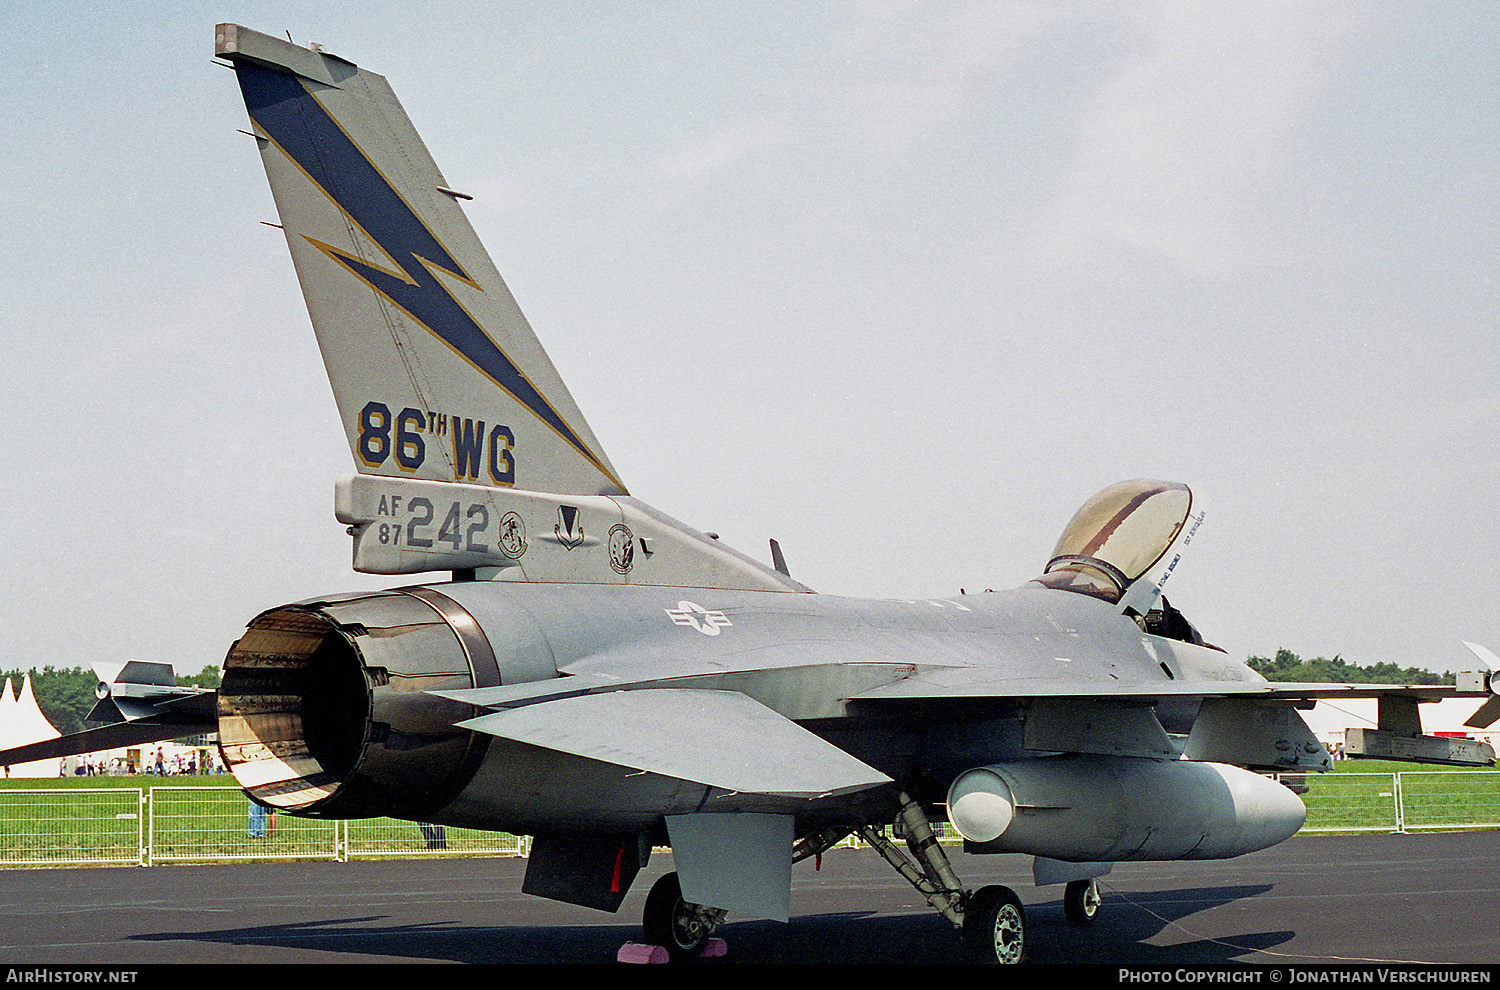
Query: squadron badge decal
x=621 y=548
x=512 y=535
x=569 y=528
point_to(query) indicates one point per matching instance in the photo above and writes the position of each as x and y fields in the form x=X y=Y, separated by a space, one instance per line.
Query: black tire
x=672 y=922
x=1081 y=902
x=994 y=926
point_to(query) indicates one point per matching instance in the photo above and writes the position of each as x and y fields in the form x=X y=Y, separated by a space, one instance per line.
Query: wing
x=1247 y=723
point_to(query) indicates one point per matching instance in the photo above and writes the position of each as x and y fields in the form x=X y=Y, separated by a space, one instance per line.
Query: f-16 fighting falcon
x=607 y=680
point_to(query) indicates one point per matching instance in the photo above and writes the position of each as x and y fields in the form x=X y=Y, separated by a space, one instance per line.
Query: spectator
x=257 y=819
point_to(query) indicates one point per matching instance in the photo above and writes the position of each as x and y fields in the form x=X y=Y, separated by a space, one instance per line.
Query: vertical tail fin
x=436 y=373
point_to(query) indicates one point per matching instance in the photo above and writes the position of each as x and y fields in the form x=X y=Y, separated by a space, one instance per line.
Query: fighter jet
x=609 y=681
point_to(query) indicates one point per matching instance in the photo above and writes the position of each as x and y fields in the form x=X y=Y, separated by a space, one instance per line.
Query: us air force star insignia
x=688 y=614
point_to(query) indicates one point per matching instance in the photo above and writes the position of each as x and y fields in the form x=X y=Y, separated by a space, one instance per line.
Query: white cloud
x=696 y=160
x=1186 y=146
x=921 y=64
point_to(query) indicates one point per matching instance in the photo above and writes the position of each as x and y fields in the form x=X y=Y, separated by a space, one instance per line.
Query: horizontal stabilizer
x=530 y=692
x=624 y=673
x=1487 y=679
x=1486 y=715
x=719 y=738
x=140 y=672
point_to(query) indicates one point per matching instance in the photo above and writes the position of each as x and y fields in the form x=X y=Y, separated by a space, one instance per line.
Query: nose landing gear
x=1081 y=902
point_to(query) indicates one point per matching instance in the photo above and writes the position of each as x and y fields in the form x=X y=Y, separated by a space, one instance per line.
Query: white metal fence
x=58 y=827
x=66 y=826
x=1401 y=802
x=207 y=824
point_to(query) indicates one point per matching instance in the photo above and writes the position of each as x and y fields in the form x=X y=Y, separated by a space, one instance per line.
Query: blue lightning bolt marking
x=289 y=116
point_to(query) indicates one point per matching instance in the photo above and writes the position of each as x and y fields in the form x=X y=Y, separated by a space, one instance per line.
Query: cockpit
x=1114 y=541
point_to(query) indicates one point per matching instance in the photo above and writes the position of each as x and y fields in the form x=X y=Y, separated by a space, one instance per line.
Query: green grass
x=1395 y=766
x=66 y=827
x=80 y=822
x=1360 y=795
x=192 y=818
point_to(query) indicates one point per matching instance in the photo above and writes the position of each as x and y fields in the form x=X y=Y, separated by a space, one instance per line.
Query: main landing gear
x=992 y=919
x=994 y=926
x=681 y=927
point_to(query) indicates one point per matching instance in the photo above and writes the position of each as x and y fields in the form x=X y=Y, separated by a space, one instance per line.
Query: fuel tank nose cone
x=980 y=806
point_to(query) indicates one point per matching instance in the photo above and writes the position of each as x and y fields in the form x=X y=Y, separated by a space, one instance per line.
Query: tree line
x=1287 y=666
x=66 y=695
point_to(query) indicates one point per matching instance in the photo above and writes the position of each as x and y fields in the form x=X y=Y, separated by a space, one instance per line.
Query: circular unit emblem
x=621 y=549
x=512 y=535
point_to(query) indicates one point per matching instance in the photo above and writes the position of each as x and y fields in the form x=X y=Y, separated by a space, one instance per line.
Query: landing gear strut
x=1081 y=902
x=992 y=919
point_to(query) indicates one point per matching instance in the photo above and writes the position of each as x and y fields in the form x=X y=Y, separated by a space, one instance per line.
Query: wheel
x=682 y=927
x=1081 y=902
x=994 y=926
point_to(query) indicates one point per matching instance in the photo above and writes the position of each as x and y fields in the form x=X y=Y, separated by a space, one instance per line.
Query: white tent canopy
x=21 y=723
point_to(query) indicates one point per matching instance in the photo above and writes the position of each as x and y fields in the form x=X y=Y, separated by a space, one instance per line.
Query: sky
x=898 y=284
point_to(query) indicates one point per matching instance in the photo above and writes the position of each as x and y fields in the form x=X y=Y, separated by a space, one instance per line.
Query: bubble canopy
x=1117 y=536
